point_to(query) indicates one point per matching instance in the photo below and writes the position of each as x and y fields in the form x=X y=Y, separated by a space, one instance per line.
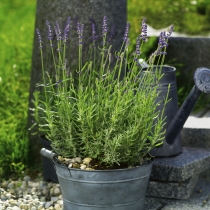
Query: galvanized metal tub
x=118 y=189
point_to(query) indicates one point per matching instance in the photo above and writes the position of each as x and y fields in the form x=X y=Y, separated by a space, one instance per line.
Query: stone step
x=199 y=200
x=176 y=177
x=177 y=190
x=190 y=162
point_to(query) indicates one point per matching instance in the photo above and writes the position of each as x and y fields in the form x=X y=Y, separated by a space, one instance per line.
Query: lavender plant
x=99 y=113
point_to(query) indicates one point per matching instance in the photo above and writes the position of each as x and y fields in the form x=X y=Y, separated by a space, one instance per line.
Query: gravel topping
x=30 y=194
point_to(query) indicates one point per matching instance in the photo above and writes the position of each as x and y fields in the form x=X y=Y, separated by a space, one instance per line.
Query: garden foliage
x=16 y=35
x=109 y=110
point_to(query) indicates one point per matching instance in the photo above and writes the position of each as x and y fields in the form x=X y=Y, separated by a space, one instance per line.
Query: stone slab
x=177 y=190
x=199 y=200
x=190 y=162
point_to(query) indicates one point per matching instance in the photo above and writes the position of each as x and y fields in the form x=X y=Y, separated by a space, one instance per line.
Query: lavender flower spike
x=162 y=44
x=58 y=31
x=66 y=30
x=170 y=31
x=39 y=38
x=104 y=26
x=94 y=37
x=144 y=30
x=50 y=35
x=80 y=28
x=125 y=38
x=138 y=46
x=162 y=40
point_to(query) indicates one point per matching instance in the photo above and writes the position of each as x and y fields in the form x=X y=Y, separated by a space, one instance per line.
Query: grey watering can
x=175 y=118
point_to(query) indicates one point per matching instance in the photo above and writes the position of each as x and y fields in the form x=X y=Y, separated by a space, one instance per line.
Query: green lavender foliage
x=99 y=113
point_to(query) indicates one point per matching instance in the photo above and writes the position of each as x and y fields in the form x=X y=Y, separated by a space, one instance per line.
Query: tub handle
x=48 y=154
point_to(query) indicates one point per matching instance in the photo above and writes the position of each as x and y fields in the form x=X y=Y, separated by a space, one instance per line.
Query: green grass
x=16 y=36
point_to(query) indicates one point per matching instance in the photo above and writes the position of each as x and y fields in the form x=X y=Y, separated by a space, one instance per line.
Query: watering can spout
x=202 y=84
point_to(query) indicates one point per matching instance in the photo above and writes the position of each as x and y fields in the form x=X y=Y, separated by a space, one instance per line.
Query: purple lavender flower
x=162 y=44
x=80 y=28
x=58 y=31
x=94 y=37
x=160 y=52
x=163 y=40
x=170 y=31
x=144 y=30
x=39 y=35
x=50 y=33
x=125 y=38
x=138 y=45
x=39 y=38
x=104 y=26
x=66 y=30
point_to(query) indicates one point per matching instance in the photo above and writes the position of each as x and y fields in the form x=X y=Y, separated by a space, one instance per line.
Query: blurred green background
x=17 y=19
x=16 y=37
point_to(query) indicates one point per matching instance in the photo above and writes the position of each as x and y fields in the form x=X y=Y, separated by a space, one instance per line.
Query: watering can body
x=171 y=109
x=175 y=118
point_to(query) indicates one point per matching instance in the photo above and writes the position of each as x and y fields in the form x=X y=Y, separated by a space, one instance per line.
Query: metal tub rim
x=105 y=170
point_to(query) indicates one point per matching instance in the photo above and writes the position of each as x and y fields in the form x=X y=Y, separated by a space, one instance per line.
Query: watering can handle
x=47 y=153
x=181 y=116
x=202 y=84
